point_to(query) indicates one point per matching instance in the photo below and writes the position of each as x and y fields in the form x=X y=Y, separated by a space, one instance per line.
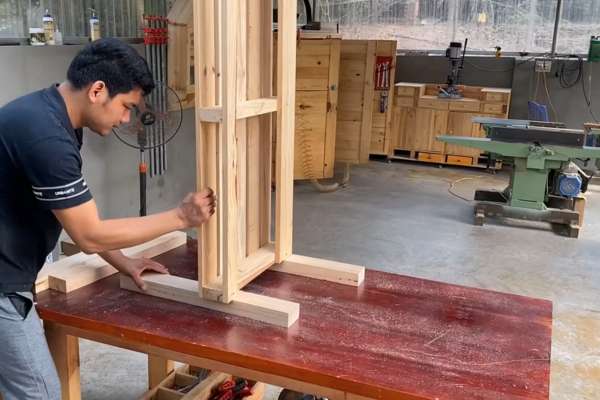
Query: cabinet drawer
x=405 y=91
x=405 y=101
x=493 y=108
x=459 y=160
x=462 y=105
x=495 y=97
x=436 y=104
x=431 y=157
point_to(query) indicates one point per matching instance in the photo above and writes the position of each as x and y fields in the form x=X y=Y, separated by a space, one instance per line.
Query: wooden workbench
x=395 y=337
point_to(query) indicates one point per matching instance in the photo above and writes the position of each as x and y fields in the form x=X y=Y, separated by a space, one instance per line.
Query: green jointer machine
x=545 y=182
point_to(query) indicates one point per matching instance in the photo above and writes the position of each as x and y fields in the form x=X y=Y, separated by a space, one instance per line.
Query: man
x=42 y=189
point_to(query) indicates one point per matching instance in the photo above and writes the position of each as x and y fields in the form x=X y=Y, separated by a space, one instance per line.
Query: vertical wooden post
x=206 y=79
x=65 y=352
x=158 y=369
x=286 y=90
x=228 y=154
x=333 y=88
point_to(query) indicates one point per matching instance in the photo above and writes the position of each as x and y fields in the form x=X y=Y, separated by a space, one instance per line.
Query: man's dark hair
x=115 y=63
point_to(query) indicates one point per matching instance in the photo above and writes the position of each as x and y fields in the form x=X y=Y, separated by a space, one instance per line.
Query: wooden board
x=81 y=269
x=395 y=338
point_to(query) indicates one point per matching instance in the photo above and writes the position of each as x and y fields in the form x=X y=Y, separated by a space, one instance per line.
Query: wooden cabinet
x=317 y=87
x=363 y=125
x=419 y=116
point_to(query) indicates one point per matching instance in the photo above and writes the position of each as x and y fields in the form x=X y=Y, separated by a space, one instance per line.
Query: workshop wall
x=110 y=168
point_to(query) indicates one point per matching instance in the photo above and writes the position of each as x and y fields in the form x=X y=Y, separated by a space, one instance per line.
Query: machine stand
x=563 y=214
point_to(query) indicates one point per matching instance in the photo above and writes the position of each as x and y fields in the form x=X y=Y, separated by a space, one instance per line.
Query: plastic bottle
x=94 y=26
x=48 y=24
x=58 y=39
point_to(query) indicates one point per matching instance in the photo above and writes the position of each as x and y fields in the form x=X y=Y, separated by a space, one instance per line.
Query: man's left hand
x=134 y=267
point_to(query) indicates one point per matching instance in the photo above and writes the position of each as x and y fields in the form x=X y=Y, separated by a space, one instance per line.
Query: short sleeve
x=53 y=167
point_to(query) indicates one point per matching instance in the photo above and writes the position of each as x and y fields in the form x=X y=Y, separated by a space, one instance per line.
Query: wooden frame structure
x=234 y=109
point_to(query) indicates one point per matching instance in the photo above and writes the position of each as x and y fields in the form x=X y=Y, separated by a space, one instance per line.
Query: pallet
x=483 y=161
x=192 y=383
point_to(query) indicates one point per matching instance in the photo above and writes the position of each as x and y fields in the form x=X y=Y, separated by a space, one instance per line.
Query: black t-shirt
x=40 y=170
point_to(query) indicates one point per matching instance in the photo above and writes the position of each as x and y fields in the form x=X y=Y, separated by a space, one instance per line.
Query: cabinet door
x=309 y=140
x=404 y=123
x=461 y=124
x=430 y=124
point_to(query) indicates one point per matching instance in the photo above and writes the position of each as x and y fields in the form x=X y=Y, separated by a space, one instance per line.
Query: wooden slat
x=210 y=114
x=245 y=304
x=286 y=87
x=256 y=107
x=81 y=269
x=333 y=87
x=253 y=125
x=206 y=86
x=228 y=165
x=266 y=123
x=325 y=270
x=365 y=131
x=255 y=264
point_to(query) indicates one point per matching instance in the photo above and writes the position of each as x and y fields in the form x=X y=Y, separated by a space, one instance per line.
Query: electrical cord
x=563 y=74
x=452 y=184
x=588 y=100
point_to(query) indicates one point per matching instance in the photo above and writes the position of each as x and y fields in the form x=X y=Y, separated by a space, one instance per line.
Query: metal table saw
x=545 y=182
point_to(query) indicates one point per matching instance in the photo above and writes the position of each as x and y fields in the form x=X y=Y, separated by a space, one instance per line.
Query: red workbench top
x=394 y=337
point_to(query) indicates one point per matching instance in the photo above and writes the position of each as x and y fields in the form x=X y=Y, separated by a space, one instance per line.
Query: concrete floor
x=401 y=218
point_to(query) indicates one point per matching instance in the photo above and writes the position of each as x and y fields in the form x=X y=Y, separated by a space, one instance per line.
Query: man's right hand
x=197 y=208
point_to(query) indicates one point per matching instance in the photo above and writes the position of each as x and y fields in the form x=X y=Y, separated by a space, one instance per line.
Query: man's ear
x=98 y=93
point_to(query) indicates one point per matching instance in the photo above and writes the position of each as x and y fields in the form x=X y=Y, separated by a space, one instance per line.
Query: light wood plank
x=255 y=264
x=206 y=86
x=158 y=369
x=367 y=115
x=65 y=353
x=256 y=107
x=229 y=149
x=286 y=88
x=245 y=304
x=326 y=270
x=81 y=269
x=266 y=122
x=333 y=87
x=210 y=114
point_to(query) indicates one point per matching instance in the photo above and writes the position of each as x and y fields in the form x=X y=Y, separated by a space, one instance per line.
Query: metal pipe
x=556 y=25
x=163 y=70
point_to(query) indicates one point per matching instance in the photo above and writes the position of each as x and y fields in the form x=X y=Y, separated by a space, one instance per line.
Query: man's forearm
x=114 y=234
x=116 y=258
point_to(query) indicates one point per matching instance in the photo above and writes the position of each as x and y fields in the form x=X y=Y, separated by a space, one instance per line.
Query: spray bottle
x=48 y=24
x=94 y=26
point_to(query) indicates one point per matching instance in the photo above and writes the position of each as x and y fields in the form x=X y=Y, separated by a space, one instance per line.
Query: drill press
x=545 y=183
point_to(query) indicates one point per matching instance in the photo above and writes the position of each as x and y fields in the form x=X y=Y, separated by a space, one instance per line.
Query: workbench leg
x=65 y=352
x=158 y=369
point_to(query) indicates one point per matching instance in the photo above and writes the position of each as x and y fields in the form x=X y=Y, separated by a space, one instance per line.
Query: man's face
x=105 y=112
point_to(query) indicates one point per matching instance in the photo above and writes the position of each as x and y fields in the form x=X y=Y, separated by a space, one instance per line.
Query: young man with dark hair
x=42 y=191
